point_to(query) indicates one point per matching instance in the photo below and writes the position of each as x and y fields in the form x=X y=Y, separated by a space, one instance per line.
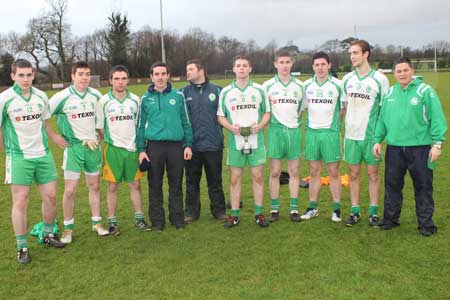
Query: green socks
x=293 y=204
x=139 y=217
x=111 y=220
x=258 y=209
x=275 y=204
x=313 y=204
x=373 y=210
x=96 y=220
x=235 y=212
x=21 y=241
x=47 y=229
x=356 y=209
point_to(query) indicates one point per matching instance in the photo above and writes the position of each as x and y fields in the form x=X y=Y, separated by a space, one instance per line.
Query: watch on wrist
x=438 y=145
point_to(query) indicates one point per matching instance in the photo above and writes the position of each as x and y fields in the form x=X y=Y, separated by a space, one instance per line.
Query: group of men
x=175 y=130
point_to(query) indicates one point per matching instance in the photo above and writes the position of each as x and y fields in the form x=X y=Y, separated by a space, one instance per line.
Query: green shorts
x=284 y=142
x=79 y=158
x=235 y=158
x=22 y=171
x=355 y=152
x=120 y=164
x=323 y=145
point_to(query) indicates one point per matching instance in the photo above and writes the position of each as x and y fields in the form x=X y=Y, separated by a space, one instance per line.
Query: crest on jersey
x=92 y=105
x=330 y=94
x=40 y=106
x=414 y=101
x=295 y=94
x=253 y=98
x=172 y=101
x=369 y=89
x=212 y=97
x=319 y=93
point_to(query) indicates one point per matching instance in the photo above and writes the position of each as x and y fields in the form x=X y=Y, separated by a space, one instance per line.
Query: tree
x=6 y=60
x=118 y=37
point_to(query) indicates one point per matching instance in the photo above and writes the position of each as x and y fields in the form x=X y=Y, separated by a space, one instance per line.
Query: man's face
x=160 y=77
x=283 y=65
x=81 y=78
x=403 y=73
x=242 y=68
x=119 y=81
x=23 y=77
x=357 y=57
x=193 y=73
x=321 y=67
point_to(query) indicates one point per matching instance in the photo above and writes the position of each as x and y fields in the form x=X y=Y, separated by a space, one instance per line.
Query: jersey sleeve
x=380 y=127
x=187 y=139
x=435 y=115
x=2 y=112
x=384 y=85
x=221 y=107
x=142 y=123
x=100 y=115
x=56 y=103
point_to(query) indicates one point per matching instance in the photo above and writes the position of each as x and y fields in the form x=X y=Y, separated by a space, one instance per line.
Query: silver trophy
x=245 y=132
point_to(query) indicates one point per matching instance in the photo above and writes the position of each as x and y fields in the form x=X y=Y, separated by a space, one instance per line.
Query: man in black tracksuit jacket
x=202 y=98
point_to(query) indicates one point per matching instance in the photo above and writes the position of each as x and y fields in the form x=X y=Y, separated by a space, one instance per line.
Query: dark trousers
x=212 y=161
x=398 y=161
x=169 y=156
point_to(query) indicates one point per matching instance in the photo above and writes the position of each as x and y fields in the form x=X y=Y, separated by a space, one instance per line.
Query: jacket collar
x=151 y=89
x=200 y=85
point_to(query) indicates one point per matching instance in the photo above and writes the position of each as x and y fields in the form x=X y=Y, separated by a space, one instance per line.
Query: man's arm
x=2 y=142
x=264 y=120
x=55 y=137
x=235 y=129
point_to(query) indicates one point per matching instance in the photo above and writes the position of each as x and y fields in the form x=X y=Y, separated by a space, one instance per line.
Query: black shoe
x=241 y=204
x=261 y=221
x=179 y=226
x=142 y=225
x=221 y=217
x=23 y=257
x=374 y=221
x=428 y=231
x=274 y=216
x=52 y=240
x=295 y=217
x=353 y=219
x=231 y=222
x=387 y=225
x=113 y=229
x=157 y=228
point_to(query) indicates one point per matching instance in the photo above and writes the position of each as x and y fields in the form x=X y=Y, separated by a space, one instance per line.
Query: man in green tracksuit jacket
x=164 y=138
x=414 y=126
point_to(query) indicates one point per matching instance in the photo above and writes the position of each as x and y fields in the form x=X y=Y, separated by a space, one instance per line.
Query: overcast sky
x=308 y=23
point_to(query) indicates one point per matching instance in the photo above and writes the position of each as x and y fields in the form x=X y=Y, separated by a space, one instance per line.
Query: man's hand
x=187 y=153
x=142 y=156
x=255 y=128
x=377 y=150
x=60 y=141
x=434 y=154
x=91 y=144
x=236 y=129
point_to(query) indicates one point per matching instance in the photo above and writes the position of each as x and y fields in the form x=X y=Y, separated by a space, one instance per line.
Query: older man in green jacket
x=164 y=139
x=414 y=126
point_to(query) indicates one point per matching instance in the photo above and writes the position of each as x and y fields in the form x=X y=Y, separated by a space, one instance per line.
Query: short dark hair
x=283 y=53
x=118 y=68
x=242 y=56
x=198 y=63
x=20 y=63
x=321 y=54
x=80 y=65
x=403 y=59
x=364 y=45
x=159 y=64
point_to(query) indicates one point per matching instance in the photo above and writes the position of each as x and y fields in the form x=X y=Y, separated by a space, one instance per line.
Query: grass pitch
x=307 y=260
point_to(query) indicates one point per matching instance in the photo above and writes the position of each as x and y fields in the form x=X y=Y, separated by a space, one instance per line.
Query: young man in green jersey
x=285 y=132
x=74 y=108
x=116 y=115
x=414 y=126
x=244 y=111
x=363 y=88
x=324 y=103
x=24 y=112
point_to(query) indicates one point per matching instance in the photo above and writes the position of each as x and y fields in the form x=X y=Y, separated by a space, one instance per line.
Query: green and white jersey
x=324 y=102
x=285 y=101
x=363 y=96
x=22 y=122
x=243 y=107
x=118 y=118
x=75 y=113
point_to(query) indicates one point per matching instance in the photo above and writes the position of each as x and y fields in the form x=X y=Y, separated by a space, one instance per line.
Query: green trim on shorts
x=323 y=145
x=40 y=170
x=120 y=164
x=78 y=158
x=284 y=142
x=355 y=152
x=235 y=158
